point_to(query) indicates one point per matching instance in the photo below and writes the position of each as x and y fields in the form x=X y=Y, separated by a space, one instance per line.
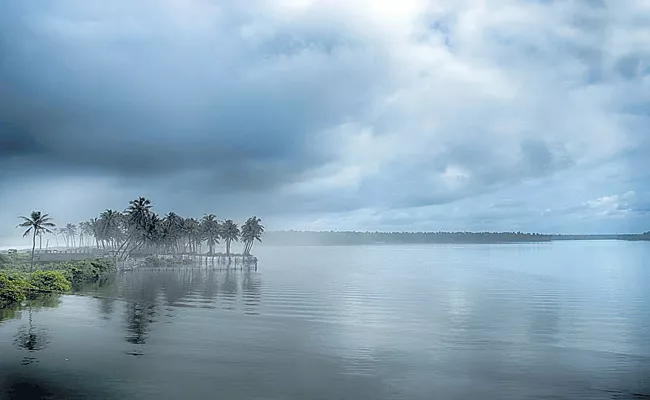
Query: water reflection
x=369 y=323
x=31 y=337
x=139 y=318
x=251 y=287
x=229 y=290
x=153 y=296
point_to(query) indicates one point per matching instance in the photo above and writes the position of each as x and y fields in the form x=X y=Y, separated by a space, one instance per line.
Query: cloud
x=324 y=109
x=617 y=205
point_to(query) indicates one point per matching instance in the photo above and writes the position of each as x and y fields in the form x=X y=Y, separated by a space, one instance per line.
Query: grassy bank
x=17 y=283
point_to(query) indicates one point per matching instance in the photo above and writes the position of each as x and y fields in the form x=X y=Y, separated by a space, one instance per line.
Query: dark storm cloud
x=15 y=141
x=85 y=95
x=345 y=113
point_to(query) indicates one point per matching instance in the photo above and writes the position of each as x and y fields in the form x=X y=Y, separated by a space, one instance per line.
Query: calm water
x=566 y=320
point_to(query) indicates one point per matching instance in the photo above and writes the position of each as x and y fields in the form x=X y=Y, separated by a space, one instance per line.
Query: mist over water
x=552 y=320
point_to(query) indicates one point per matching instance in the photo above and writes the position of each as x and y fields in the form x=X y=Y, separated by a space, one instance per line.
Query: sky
x=498 y=115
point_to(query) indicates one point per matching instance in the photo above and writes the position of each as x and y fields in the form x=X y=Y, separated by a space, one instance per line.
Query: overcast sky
x=368 y=114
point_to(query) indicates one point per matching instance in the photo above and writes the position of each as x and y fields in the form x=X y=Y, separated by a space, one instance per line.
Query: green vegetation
x=139 y=231
x=14 y=288
x=49 y=282
x=17 y=285
x=37 y=224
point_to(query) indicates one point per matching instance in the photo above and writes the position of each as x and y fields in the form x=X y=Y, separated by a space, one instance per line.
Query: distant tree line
x=139 y=230
x=333 y=238
x=628 y=236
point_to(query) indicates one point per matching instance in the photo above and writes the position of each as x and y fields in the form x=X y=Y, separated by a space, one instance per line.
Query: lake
x=561 y=320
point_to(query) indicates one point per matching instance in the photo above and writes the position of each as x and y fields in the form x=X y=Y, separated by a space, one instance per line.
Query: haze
x=364 y=115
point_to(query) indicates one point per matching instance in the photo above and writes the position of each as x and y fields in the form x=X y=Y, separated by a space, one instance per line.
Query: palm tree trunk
x=33 y=248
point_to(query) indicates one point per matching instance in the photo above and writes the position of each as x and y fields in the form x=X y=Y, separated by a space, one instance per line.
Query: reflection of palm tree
x=37 y=224
x=211 y=285
x=251 y=293
x=139 y=317
x=229 y=287
x=29 y=338
x=106 y=306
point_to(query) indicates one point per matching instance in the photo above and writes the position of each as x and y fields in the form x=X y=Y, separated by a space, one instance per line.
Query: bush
x=86 y=271
x=56 y=277
x=13 y=288
x=50 y=281
x=15 y=262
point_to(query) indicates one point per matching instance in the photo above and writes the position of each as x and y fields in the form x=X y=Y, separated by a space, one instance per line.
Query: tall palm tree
x=108 y=227
x=137 y=217
x=62 y=232
x=229 y=232
x=251 y=230
x=37 y=224
x=173 y=225
x=82 y=233
x=211 y=230
x=138 y=212
x=71 y=232
x=192 y=233
x=93 y=229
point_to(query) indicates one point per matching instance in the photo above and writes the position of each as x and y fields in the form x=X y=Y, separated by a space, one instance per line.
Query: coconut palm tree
x=62 y=232
x=149 y=235
x=251 y=230
x=37 y=224
x=137 y=216
x=173 y=225
x=211 y=230
x=229 y=232
x=93 y=229
x=108 y=227
x=138 y=212
x=82 y=233
x=192 y=234
x=71 y=232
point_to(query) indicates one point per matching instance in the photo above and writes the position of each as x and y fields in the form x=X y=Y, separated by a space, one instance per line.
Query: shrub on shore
x=49 y=281
x=14 y=288
x=60 y=277
x=87 y=271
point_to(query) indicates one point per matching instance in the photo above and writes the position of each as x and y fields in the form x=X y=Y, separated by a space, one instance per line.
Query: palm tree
x=211 y=229
x=192 y=233
x=37 y=224
x=62 y=232
x=82 y=233
x=252 y=230
x=173 y=225
x=93 y=229
x=108 y=227
x=71 y=232
x=137 y=214
x=229 y=232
